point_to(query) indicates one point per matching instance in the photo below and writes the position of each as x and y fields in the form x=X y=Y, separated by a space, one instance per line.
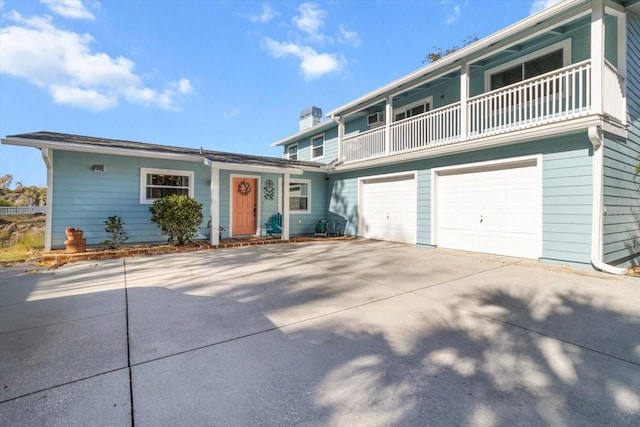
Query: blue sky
x=224 y=75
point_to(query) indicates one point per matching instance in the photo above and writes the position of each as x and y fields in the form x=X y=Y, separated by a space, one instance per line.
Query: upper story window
x=317 y=147
x=537 y=63
x=292 y=152
x=412 y=109
x=158 y=183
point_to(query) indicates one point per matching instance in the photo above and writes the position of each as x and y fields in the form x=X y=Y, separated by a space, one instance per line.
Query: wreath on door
x=244 y=188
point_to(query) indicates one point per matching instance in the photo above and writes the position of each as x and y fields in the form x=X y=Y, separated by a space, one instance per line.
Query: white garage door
x=495 y=210
x=388 y=210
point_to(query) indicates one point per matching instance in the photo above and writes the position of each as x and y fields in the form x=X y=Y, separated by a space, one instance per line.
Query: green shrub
x=5 y=202
x=114 y=225
x=177 y=216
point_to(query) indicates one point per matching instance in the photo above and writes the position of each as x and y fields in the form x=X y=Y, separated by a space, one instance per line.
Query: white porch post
x=597 y=55
x=215 y=205
x=340 y=139
x=464 y=96
x=47 y=156
x=285 y=207
x=622 y=60
x=388 y=113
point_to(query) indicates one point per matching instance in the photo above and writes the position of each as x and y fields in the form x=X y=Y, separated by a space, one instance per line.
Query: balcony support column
x=597 y=55
x=340 y=121
x=464 y=96
x=388 y=113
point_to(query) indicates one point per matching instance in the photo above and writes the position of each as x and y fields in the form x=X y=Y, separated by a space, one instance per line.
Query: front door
x=244 y=206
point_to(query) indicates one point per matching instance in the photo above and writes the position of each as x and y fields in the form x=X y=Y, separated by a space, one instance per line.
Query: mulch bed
x=60 y=257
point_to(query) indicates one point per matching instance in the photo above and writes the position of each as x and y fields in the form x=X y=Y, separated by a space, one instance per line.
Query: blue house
x=524 y=144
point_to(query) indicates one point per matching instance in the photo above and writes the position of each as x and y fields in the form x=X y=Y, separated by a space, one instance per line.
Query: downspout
x=595 y=136
x=47 y=156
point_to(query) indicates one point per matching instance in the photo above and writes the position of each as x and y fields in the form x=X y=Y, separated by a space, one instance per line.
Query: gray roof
x=215 y=156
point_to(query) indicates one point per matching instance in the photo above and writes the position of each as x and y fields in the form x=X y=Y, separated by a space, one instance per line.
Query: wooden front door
x=244 y=205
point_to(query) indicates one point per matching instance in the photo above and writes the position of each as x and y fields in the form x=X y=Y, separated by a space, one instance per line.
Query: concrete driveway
x=337 y=333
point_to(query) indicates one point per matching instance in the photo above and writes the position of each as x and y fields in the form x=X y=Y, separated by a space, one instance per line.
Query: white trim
x=242 y=167
x=362 y=181
x=258 y=195
x=481 y=166
x=47 y=156
x=214 y=208
x=281 y=198
x=143 y=181
x=565 y=45
x=324 y=146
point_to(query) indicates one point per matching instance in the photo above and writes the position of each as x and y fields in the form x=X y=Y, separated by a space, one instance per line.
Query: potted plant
x=73 y=233
x=75 y=243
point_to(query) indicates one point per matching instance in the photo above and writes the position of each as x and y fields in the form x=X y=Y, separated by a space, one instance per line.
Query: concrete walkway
x=337 y=333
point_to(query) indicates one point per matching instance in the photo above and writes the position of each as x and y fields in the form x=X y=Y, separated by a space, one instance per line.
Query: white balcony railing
x=560 y=95
x=553 y=97
x=613 y=101
x=438 y=127
x=365 y=145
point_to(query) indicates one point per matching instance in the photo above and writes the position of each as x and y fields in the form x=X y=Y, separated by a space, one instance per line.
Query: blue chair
x=273 y=228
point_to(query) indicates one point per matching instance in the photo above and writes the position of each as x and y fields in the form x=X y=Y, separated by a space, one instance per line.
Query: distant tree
x=5 y=181
x=439 y=53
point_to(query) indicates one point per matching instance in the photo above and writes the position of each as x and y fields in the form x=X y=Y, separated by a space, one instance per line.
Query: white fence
x=19 y=210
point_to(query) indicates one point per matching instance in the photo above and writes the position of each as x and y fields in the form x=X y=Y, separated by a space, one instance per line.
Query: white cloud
x=231 y=114
x=84 y=98
x=267 y=14
x=453 y=11
x=73 y=9
x=63 y=63
x=349 y=37
x=312 y=63
x=538 y=5
x=310 y=20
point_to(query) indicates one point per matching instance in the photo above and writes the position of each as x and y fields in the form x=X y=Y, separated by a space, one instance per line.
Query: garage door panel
x=389 y=209
x=494 y=210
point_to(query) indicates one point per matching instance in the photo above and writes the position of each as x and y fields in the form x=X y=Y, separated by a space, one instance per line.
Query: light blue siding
x=566 y=190
x=621 y=223
x=330 y=146
x=83 y=198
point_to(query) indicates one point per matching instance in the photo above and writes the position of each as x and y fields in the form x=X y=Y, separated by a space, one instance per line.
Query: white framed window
x=317 y=147
x=292 y=152
x=413 y=109
x=299 y=195
x=542 y=61
x=158 y=183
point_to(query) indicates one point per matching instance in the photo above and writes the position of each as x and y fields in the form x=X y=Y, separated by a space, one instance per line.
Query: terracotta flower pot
x=75 y=243
x=73 y=233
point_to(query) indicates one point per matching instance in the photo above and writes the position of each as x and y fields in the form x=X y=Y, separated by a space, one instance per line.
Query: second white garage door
x=388 y=208
x=494 y=209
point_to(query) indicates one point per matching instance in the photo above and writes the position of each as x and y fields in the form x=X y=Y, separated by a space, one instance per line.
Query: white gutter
x=595 y=136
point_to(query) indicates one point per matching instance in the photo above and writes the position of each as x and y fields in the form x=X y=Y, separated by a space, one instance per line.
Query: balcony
x=554 y=97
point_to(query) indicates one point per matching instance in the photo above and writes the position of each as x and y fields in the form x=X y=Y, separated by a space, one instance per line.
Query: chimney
x=310 y=117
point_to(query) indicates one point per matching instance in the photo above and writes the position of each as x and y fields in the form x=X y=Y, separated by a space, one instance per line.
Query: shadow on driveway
x=257 y=337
